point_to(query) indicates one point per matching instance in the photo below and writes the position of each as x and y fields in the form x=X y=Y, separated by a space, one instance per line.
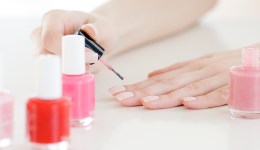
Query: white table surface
x=130 y=128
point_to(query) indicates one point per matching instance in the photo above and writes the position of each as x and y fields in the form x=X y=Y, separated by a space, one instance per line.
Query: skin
x=205 y=79
x=114 y=26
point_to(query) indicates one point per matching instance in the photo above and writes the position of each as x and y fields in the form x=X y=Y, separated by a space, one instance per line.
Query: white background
x=232 y=24
x=36 y=8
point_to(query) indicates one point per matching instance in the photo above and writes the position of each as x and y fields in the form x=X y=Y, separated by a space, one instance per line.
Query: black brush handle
x=91 y=44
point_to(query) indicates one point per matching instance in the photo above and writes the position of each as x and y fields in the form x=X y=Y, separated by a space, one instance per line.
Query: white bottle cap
x=73 y=55
x=49 y=77
x=1 y=73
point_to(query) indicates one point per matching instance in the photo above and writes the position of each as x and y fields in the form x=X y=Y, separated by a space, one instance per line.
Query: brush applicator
x=91 y=44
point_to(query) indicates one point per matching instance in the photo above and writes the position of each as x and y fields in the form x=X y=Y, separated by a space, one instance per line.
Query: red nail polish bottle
x=48 y=113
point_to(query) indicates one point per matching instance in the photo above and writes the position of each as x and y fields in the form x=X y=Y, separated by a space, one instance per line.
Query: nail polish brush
x=91 y=44
x=111 y=68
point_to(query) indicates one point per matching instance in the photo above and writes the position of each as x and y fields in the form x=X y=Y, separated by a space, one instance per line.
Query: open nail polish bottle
x=6 y=114
x=244 y=100
x=77 y=84
x=48 y=113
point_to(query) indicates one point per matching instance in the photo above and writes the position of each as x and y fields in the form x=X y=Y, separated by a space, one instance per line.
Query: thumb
x=98 y=35
x=92 y=31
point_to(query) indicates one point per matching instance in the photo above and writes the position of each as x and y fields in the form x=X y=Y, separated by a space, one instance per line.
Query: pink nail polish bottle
x=6 y=115
x=77 y=84
x=244 y=100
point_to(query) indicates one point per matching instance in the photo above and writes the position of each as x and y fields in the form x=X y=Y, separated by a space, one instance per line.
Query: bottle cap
x=73 y=55
x=1 y=73
x=250 y=57
x=49 y=77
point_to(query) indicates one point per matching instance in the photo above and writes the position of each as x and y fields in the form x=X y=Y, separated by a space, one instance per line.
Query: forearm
x=142 y=21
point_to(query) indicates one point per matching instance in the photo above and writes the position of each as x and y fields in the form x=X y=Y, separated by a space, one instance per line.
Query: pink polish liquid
x=6 y=115
x=77 y=84
x=244 y=100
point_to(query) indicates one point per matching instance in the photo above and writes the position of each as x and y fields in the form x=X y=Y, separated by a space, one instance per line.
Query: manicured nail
x=91 y=57
x=93 y=30
x=188 y=99
x=150 y=98
x=116 y=89
x=124 y=95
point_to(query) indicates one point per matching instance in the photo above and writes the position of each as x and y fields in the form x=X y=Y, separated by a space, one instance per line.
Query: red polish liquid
x=48 y=120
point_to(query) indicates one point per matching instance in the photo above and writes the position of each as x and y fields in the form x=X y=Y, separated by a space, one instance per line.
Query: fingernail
x=94 y=29
x=188 y=99
x=124 y=95
x=116 y=89
x=150 y=98
x=91 y=57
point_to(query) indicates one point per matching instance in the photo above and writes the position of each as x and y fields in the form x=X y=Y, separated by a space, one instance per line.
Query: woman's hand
x=196 y=84
x=57 y=23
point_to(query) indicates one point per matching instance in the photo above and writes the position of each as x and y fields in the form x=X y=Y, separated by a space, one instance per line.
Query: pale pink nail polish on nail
x=77 y=84
x=6 y=115
x=189 y=99
x=116 y=89
x=124 y=95
x=244 y=100
x=150 y=98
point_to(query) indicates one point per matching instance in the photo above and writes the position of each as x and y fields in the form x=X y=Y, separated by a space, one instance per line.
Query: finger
x=176 y=66
x=95 y=67
x=189 y=73
x=171 y=75
x=35 y=35
x=160 y=88
x=166 y=69
x=91 y=30
x=52 y=31
x=174 y=98
x=168 y=85
x=36 y=39
x=133 y=87
x=91 y=57
x=98 y=36
x=215 y=98
x=129 y=98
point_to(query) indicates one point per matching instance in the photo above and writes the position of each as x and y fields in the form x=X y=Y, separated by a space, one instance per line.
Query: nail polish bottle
x=77 y=84
x=244 y=100
x=48 y=113
x=6 y=114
